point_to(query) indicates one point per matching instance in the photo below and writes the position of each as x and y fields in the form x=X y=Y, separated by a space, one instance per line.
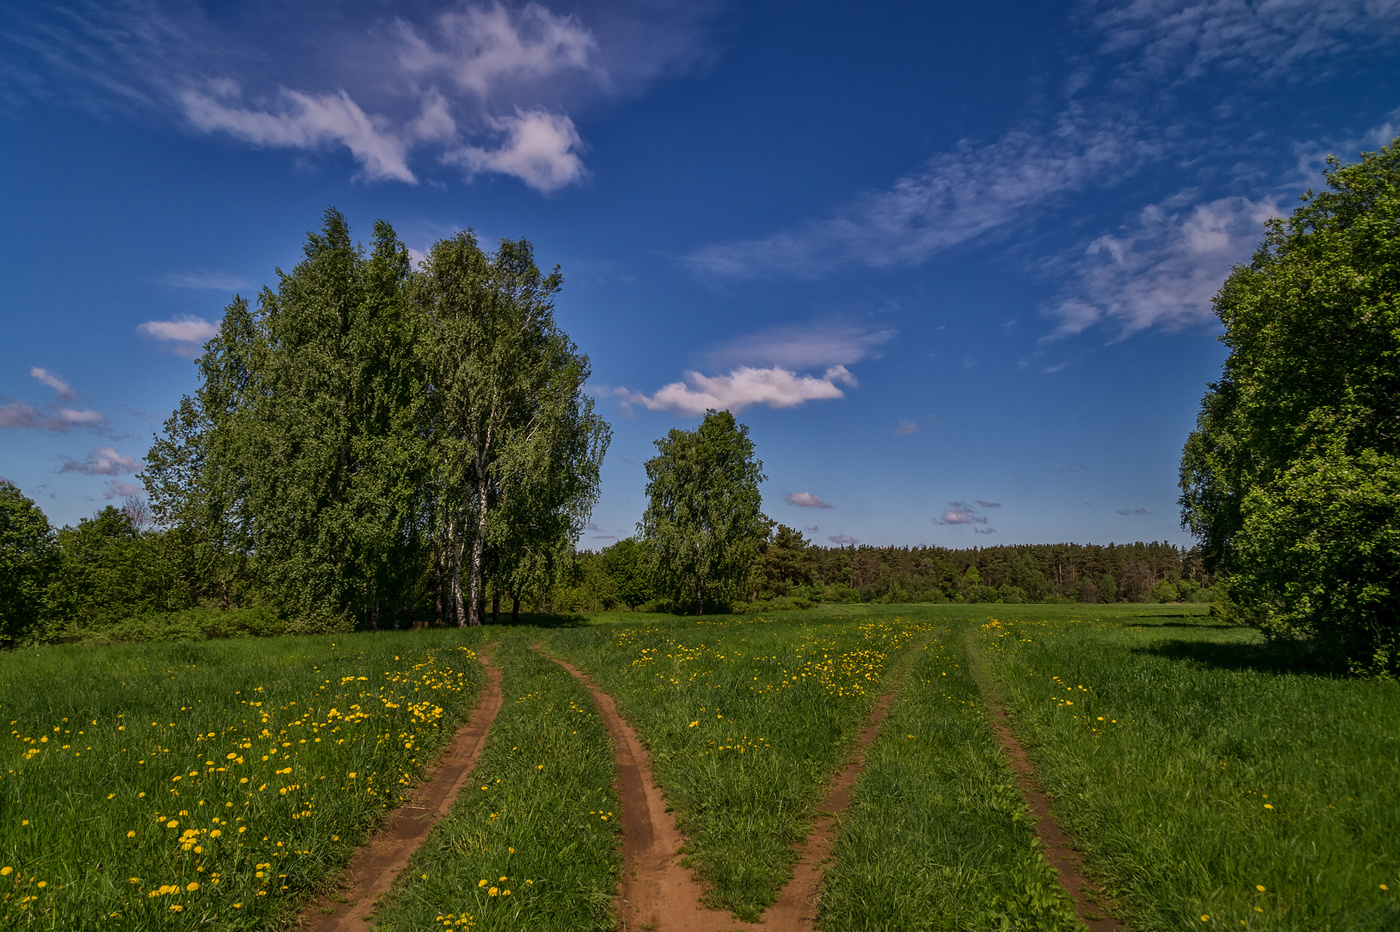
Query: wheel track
x=1060 y=850
x=378 y=863
x=657 y=893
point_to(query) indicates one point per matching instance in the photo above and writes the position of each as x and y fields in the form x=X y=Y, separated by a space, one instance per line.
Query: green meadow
x=1213 y=781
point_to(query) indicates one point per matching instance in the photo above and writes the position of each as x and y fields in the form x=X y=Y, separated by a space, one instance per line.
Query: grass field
x=1211 y=780
x=174 y=785
x=1214 y=783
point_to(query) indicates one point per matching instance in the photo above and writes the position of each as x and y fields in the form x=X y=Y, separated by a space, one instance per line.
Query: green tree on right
x=1291 y=479
x=703 y=523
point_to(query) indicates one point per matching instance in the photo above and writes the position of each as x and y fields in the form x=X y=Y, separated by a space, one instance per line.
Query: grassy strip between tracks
x=159 y=786
x=532 y=842
x=745 y=721
x=937 y=836
x=1213 y=782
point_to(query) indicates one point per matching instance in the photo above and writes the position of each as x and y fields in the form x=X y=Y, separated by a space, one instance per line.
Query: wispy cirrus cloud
x=958 y=196
x=1133 y=512
x=205 y=281
x=1163 y=269
x=65 y=391
x=103 y=461
x=1183 y=39
x=805 y=500
x=905 y=428
x=745 y=387
x=184 y=335
x=807 y=345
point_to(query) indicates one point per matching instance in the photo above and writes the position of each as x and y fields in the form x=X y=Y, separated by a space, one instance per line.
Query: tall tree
x=1291 y=480
x=703 y=522
x=517 y=446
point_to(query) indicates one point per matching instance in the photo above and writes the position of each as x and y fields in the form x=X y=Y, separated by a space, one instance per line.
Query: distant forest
x=793 y=573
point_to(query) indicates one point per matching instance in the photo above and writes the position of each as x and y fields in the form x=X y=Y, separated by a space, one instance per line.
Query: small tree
x=703 y=522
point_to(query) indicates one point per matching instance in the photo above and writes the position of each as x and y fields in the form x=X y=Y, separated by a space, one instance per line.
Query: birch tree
x=703 y=522
x=516 y=445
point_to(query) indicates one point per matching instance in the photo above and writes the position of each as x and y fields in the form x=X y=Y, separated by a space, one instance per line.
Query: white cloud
x=539 y=149
x=116 y=488
x=1164 y=269
x=481 y=47
x=802 y=346
x=743 y=388
x=54 y=382
x=905 y=428
x=104 y=461
x=983 y=504
x=805 y=500
x=21 y=416
x=960 y=513
x=841 y=540
x=305 y=121
x=185 y=333
x=958 y=196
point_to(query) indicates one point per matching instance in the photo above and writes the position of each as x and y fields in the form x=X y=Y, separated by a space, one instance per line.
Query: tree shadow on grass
x=1280 y=658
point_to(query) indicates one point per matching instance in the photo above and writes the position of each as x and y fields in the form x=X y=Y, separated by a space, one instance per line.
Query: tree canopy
x=703 y=522
x=371 y=431
x=1291 y=480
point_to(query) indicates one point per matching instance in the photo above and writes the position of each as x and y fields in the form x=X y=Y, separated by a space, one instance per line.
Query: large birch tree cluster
x=372 y=442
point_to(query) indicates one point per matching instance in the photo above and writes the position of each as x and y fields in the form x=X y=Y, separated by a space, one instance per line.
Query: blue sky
x=951 y=263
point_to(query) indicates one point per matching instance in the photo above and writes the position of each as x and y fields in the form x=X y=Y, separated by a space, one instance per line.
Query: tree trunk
x=457 y=583
x=478 y=598
x=496 y=606
x=515 y=609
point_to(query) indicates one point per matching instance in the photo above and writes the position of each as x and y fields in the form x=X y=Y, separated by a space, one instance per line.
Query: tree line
x=790 y=572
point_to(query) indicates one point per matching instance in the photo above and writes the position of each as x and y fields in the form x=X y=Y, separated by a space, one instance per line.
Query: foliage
x=1307 y=406
x=370 y=431
x=702 y=524
x=516 y=445
x=27 y=558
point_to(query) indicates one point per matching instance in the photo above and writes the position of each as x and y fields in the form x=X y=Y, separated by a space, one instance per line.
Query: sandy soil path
x=378 y=863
